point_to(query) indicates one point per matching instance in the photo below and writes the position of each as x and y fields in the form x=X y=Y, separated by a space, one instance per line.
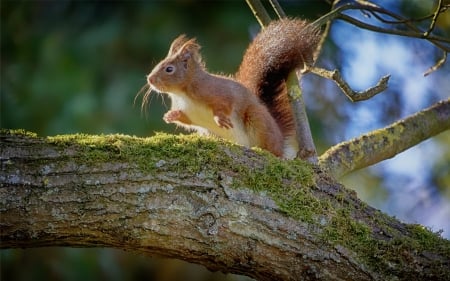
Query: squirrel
x=250 y=108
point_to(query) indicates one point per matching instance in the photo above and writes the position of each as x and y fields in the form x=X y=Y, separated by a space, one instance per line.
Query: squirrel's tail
x=278 y=49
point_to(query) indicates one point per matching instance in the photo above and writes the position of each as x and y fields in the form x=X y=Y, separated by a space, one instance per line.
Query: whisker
x=145 y=91
x=147 y=97
x=146 y=101
x=144 y=88
x=164 y=100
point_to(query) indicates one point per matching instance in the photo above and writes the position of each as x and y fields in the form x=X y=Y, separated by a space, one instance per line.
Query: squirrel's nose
x=150 y=79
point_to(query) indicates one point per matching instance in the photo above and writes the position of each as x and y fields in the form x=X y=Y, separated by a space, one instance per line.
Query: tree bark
x=207 y=202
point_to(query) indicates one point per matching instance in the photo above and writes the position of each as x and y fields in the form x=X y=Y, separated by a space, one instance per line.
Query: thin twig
x=323 y=37
x=354 y=96
x=412 y=34
x=404 y=21
x=417 y=33
x=438 y=64
x=277 y=8
x=433 y=21
x=259 y=12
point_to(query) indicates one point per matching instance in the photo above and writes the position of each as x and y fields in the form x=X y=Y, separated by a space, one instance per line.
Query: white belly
x=202 y=116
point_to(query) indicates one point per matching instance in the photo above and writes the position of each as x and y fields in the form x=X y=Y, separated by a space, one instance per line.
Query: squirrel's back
x=281 y=47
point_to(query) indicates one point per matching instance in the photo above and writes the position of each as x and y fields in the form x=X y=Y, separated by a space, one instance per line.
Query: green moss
x=425 y=239
x=185 y=153
x=19 y=132
x=95 y=149
x=389 y=254
x=343 y=230
x=288 y=183
x=404 y=249
x=193 y=154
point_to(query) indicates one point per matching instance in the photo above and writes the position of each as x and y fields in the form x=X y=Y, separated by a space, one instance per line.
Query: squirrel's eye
x=169 y=69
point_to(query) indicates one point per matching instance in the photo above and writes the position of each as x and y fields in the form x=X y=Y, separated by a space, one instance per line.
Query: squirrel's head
x=182 y=61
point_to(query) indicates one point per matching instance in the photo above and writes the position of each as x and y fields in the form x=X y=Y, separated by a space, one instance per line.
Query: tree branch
x=385 y=143
x=206 y=202
x=307 y=149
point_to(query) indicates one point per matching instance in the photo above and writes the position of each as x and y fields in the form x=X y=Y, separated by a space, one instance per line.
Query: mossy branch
x=204 y=201
x=385 y=143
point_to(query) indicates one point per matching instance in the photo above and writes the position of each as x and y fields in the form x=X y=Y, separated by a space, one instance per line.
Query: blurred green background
x=72 y=66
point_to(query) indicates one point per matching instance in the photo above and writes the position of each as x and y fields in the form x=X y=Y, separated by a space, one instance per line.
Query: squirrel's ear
x=190 y=49
x=177 y=44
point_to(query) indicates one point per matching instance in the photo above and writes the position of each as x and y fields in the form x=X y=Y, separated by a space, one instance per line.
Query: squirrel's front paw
x=176 y=116
x=223 y=122
x=172 y=116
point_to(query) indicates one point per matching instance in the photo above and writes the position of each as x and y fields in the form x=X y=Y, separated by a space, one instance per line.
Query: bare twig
x=433 y=21
x=373 y=9
x=277 y=8
x=415 y=33
x=437 y=65
x=412 y=30
x=354 y=96
x=408 y=20
x=436 y=40
x=259 y=12
x=323 y=37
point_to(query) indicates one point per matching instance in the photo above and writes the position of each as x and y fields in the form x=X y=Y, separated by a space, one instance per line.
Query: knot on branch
x=207 y=222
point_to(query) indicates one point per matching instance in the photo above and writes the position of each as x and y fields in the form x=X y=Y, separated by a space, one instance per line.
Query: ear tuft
x=186 y=49
x=177 y=44
x=190 y=50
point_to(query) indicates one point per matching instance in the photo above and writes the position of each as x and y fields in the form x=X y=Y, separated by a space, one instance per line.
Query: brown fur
x=279 y=49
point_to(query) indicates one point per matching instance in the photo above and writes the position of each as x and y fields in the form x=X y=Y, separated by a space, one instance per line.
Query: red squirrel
x=250 y=108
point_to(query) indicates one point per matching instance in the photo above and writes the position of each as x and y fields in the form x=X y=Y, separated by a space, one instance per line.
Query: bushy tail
x=278 y=49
